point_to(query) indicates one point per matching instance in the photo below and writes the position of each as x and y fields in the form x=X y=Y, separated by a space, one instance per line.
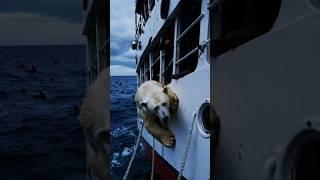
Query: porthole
x=315 y=4
x=302 y=160
x=204 y=119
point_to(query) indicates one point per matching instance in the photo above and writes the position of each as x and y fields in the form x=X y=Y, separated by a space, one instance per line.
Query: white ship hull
x=193 y=90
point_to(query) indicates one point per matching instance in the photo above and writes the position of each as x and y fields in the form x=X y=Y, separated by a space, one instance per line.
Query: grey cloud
x=121 y=33
x=67 y=10
x=33 y=29
x=122 y=63
x=119 y=45
x=118 y=70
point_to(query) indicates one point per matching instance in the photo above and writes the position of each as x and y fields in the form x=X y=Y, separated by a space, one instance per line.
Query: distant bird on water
x=41 y=95
x=20 y=65
x=32 y=70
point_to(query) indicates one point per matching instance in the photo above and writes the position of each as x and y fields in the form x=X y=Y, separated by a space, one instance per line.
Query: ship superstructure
x=172 y=47
x=96 y=29
x=264 y=58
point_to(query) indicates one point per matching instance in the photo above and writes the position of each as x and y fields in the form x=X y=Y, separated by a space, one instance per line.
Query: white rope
x=187 y=147
x=152 y=169
x=134 y=153
x=185 y=154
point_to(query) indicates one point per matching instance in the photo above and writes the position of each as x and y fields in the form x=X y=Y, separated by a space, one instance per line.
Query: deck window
x=92 y=50
x=141 y=73
x=142 y=8
x=155 y=66
x=166 y=46
x=187 y=39
x=236 y=22
x=146 y=70
x=151 y=3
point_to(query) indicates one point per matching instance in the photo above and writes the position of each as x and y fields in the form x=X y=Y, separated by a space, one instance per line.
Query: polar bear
x=95 y=124
x=155 y=103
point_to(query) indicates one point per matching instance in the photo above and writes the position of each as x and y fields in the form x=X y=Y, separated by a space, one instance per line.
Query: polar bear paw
x=168 y=139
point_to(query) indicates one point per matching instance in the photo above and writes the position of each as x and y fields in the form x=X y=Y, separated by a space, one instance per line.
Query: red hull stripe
x=163 y=169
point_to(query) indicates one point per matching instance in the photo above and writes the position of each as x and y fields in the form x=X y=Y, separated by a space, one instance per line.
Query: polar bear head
x=157 y=104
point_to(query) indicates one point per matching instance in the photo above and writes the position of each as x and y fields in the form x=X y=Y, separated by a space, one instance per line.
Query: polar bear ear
x=165 y=89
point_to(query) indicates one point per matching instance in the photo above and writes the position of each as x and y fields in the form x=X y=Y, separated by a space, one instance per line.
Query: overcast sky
x=40 y=22
x=122 y=32
x=49 y=22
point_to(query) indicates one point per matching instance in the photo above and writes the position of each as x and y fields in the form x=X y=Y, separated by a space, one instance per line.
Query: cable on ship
x=134 y=153
x=187 y=147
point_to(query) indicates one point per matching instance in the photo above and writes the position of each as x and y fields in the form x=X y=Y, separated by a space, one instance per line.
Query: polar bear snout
x=165 y=119
x=163 y=114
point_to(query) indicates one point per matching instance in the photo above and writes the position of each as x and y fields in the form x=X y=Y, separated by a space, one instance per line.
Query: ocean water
x=40 y=137
x=124 y=130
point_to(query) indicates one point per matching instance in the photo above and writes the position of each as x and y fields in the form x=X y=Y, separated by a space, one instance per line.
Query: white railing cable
x=189 y=27
x=200 y=47
x=167 y=66
x=152 y=169
x=188 y=54
x=155 y=62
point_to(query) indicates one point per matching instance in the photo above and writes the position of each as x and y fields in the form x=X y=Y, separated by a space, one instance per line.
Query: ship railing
x=214 y=4
x=168 y=66
x=104 y=47
x=195 y=50
x=93 y=62
x=188 y=55
x=189 y=27
x=147 y=70
x=155 y=62
x=92 y=71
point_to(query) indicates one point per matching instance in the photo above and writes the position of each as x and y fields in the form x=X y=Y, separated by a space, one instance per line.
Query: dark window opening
x=141 y=73
x=155 y=66
x=147 y=69
x=155 y=71
x=166 y=45
x=152 y=3
x=142 y=9
x=92 y=56
x=188 y=38
x=241 y=21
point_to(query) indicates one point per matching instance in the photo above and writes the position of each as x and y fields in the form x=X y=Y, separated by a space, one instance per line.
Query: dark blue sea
x=40 y=137
x=124 y=130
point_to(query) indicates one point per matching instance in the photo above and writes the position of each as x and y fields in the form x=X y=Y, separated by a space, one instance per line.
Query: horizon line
x=42 y=45
x=120 y=75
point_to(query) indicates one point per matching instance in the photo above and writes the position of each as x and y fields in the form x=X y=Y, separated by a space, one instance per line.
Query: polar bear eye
x=164 y=104
x=156 y=108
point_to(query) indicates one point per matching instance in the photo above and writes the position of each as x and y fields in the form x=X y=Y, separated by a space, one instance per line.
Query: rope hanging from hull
x=134 y=153
x=187 y=147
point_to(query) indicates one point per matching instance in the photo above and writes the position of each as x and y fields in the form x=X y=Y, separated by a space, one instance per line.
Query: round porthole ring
x=291 y=147
x=200 y=117
x=314 y=4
